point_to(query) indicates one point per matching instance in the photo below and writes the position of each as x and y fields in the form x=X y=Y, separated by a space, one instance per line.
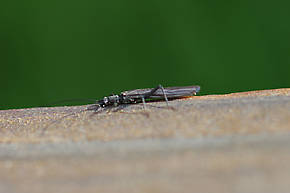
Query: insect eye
x=105 y=100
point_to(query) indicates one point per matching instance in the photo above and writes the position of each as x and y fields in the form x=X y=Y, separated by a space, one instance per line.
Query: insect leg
x=147 y=95
x=142 y=96
x=94 y=107
x=143 y=101
x=43 y=130
x=165 y=97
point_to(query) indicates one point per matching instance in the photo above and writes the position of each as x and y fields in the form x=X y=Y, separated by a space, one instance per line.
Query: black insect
x=144 y=95
x=138 y=96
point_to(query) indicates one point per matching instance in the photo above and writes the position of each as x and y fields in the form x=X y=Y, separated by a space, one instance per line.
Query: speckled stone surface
x=238 y=142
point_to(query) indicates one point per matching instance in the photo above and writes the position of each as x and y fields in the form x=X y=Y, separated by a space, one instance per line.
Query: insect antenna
x=70 y=100
x=93 y=107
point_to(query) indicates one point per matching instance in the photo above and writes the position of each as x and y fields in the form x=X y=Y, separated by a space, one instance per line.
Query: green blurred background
x=54 y=50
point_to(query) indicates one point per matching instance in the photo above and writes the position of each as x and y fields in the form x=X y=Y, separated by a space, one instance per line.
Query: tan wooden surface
x=218 y=143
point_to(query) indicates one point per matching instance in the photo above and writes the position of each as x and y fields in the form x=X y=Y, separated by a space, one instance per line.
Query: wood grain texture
x=237 y=142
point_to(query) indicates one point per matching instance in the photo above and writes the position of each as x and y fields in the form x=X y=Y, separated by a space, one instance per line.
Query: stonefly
x=158 y=93
x=145 y=95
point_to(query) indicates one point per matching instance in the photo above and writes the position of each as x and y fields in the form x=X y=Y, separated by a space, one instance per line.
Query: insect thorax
x=110 y=100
